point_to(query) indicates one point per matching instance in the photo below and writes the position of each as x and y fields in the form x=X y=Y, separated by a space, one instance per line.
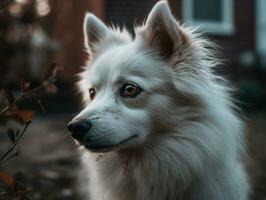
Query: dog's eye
x=130 y=90
x=92 y=92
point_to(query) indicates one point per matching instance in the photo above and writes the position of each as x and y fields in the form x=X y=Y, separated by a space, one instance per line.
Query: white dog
x=157 y=124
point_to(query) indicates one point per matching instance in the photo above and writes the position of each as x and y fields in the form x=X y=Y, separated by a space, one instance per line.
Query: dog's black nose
x=79 y=128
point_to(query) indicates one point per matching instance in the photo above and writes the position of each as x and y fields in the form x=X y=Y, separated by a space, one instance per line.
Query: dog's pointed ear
x=162 y=31
x=94 y=31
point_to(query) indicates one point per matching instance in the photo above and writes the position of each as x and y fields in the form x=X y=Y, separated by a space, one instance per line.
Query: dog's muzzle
x=79 y=128
x=82 y=131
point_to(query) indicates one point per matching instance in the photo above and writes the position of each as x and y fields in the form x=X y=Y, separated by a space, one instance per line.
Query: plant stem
x=11 y=148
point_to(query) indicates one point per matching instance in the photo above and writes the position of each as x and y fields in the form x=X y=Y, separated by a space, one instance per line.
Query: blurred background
x=35 y=34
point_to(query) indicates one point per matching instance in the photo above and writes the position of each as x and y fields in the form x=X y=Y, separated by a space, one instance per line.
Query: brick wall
x=67 y=21
x=128 y=12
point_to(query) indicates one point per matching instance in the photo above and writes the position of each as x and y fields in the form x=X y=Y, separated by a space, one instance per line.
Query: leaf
x=21 y=115
x=25 y=115
x=50 y=87
x=24 y=86
x=7 y=179
x=12 y=134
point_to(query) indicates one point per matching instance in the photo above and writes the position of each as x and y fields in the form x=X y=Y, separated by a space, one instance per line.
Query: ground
x=48 y=160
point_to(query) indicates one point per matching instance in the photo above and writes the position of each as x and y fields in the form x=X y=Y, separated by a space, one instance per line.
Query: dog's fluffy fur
x=181 y=137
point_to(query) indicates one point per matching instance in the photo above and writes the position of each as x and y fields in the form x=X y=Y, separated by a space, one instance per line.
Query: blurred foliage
x=10 y=111
x=25 y=46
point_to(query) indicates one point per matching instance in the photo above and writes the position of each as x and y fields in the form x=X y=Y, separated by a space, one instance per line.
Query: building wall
x=128 y=12
x=68 y=31
x=242 y=40
x=68 y=19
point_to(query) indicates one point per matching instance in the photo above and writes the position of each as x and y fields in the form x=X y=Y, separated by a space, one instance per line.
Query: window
x=261 y=30
x=211 y=16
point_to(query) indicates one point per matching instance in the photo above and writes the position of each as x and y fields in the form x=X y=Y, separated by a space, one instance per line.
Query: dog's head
x=133 y=88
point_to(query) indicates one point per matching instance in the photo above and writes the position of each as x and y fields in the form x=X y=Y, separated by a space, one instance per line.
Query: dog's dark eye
x=92 y=92
x=130 y=90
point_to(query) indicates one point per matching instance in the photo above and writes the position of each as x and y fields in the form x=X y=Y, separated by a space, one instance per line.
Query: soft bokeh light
x=42 y=7
x=15 y=10
x=23 y=2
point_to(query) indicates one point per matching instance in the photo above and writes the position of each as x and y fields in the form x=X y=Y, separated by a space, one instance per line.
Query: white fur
x=188 y=142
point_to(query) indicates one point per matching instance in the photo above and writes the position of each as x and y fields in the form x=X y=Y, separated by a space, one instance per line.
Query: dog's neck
x=126 y=170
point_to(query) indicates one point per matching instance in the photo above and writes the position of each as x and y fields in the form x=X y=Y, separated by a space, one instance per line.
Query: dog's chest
x=113 y=178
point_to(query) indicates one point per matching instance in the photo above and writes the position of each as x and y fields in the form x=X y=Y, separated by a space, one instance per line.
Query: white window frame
x=226 y=27
x=261 y=30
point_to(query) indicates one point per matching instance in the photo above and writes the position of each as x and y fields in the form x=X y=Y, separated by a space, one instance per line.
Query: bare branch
x=11 y=148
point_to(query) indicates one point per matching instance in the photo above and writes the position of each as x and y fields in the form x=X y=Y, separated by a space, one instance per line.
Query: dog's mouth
x=98 y=146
